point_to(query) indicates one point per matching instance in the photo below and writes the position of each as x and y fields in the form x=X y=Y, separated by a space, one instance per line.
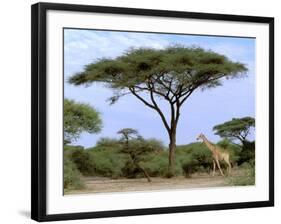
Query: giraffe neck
x=208 y=144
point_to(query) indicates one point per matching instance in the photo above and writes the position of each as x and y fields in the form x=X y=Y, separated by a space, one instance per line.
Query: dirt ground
x=102 y=185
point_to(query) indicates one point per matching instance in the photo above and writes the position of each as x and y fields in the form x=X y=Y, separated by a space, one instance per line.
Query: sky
x=200 y=113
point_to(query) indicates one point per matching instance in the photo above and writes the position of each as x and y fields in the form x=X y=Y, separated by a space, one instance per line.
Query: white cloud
x=82 y=47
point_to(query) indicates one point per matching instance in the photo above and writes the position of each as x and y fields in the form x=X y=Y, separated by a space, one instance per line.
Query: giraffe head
x=200 y=136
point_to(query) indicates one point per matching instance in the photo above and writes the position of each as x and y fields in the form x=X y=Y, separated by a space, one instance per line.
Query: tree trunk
x=172 y=154
x=144 y=172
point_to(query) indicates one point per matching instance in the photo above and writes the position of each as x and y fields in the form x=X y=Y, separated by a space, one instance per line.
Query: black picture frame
x=39 y=122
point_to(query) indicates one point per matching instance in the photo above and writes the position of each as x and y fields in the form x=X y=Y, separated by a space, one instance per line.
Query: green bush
x=247 y=153
x=110 y=159
x=189 y=165
x=107 y=144
x=154 y=145
x=194 y=157
x=129 y=170
x=71 y=175
x=83 y=160
x=113 y=159
x=157 y=165
x=108 y=163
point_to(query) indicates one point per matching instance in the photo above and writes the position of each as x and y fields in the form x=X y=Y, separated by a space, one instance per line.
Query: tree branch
x=147 y=89
x=178 y=112
x=186 y=96
x=140 y=98
x=157 y=108
x=168 y=88
x=153 y=106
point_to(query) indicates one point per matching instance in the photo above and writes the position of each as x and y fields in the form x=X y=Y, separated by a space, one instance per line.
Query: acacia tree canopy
x=172 y=74
x=79 y=117
x=129 y=133
x=237 y=128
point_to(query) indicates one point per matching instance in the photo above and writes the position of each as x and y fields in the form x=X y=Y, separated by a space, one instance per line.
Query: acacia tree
x=172 y=74
x=127 y=134
x=79 y=117
x=237 y=128
x=135 y=146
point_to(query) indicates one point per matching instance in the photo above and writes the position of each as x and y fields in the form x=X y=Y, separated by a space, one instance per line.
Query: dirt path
x=101 y=185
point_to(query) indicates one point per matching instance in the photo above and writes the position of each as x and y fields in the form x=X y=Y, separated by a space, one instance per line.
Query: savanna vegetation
x=132 y=156
x=171 y=74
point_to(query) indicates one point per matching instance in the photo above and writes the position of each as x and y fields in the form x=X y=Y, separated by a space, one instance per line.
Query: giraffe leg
x=218 y=163
x=214 y=167
x=228 y=166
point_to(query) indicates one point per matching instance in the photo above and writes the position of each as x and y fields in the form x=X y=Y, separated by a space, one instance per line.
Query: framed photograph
x=140 y=111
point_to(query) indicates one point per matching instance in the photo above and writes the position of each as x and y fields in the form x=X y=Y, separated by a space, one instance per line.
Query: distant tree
x=172 y=74
x=79 y=117
x=237 y=128
x=136 y=147
x=127 y=134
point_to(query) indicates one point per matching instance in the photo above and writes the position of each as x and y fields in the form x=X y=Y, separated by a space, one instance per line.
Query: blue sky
x=203 y=110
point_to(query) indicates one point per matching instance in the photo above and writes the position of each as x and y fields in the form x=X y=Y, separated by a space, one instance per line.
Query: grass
x=247 y=176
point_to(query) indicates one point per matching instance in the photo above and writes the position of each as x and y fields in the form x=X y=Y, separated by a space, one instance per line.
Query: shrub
x=84 y=161
x=71 y=175
x=129 y=170
x=194 y=157
x=189 y=165
x=107 y=144
x=157 y=165
x=155 y=145
x=108 y=163
x=247 y=153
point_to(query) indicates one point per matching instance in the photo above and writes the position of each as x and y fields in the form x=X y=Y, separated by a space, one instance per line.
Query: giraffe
x=218 y=154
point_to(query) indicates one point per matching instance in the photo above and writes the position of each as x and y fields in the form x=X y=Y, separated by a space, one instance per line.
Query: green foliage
x=108 y=144
x=155 y=145
x=248 y=153
x=138 y=149
x=128 y=133
x=108 y=163
x=237 y=128
x=194 y=157
x=79 y=117
x=97 y=161
x=172 y=74
x=110 y=159
x=71 y=175
x=190 y=158
x=83 y=160
x=141 y=152
x=247 y=177
x=136 y=146
x=68 y=149
x=187 y=67
x=157 y=165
